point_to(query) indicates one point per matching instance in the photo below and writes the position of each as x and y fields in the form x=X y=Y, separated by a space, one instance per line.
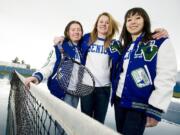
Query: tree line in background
x=16 y=60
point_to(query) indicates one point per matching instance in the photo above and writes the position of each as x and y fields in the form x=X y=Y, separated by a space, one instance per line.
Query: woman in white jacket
x=73 y=34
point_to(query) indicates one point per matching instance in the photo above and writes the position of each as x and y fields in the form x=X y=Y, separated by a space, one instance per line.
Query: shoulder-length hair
x=125 y=36
x=66 y=31
x=113 y=28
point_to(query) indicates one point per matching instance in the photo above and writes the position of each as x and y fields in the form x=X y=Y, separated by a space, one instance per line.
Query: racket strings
x=75 y=78
x=64 y=74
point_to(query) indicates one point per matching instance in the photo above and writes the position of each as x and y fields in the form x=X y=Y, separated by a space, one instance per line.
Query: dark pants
x=95 y=104
x=129 y=121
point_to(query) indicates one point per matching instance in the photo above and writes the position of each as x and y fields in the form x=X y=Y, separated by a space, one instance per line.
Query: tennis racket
x=74 y=78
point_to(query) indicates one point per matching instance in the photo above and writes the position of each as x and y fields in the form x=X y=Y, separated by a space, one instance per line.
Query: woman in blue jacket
x=144 y=77
x=73 y=33
x=99 y=53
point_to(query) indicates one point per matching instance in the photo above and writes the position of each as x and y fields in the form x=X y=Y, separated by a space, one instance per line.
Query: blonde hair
x=113 y=28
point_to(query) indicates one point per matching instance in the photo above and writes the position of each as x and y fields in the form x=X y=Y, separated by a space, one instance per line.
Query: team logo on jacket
x=115 y=46
x=140 y=78
x=147 y=50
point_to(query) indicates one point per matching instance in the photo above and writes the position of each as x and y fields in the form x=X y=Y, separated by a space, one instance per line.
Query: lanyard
x=76 y=49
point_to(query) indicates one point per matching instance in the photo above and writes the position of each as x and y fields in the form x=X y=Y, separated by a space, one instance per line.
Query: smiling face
x=75 y=32
x=103 y=26
x=135 y=24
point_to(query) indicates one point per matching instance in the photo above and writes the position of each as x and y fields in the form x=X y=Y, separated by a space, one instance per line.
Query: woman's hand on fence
x=29 y=80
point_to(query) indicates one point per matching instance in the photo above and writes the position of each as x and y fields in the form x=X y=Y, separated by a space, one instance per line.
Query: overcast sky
x=27 y=27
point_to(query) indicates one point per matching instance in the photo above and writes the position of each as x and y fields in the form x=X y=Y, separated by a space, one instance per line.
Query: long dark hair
x=68 y=27
x=125 y=36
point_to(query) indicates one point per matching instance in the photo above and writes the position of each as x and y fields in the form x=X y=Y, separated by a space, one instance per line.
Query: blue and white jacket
x=49 y=70
x=149 y=78
x=114 y=50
